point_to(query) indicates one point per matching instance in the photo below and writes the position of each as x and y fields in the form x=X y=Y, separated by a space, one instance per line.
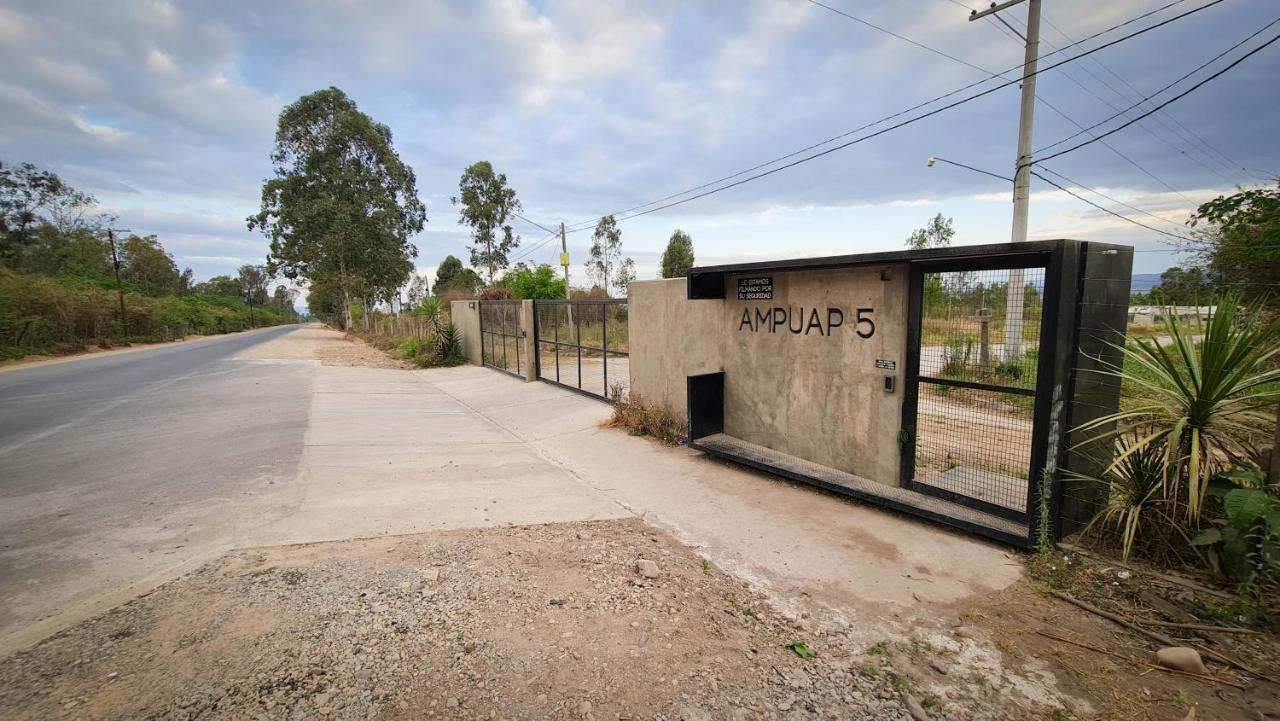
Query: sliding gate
x=583 y=345
x=501 y=336
x=975 y=382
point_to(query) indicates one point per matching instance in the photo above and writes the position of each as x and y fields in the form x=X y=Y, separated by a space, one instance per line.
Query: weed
x=880 y=648
x=1055 y=569
x=801 y=649
x=642 y=418
x=900 y=682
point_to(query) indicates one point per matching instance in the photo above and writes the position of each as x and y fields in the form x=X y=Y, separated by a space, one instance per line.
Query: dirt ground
x=556 y=621
x=332 y=349
x=526 y=622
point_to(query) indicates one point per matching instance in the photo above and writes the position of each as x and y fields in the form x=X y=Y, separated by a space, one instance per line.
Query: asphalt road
x=123 y=465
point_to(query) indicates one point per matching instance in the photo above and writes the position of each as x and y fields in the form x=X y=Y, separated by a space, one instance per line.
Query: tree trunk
x=346 y=309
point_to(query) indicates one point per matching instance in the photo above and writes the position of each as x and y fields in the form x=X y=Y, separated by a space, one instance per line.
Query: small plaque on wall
x=758 y=288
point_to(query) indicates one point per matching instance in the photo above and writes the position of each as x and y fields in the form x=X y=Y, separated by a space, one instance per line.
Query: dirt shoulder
x=329 y=346
x=549 y=621
x=558 y=621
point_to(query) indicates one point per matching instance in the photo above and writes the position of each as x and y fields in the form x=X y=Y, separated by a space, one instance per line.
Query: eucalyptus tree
x=605 y=264
x=342 y=205
x=487 y=203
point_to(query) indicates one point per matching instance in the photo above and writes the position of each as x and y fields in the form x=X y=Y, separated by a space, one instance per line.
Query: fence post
x=529 y=339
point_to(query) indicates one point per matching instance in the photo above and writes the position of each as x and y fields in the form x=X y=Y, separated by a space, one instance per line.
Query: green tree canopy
x=446 y=272
x=1181 y=286
x=452 y=277
x=418 y=290
x=145 y=264
x=282 y=301
x=539 y=282
x=1240 y=246
x=605 y=265
x=219 y=286
x=487 y=202
x=45 y=223
x=677 y=259
x=936 y=234
x=342 y=204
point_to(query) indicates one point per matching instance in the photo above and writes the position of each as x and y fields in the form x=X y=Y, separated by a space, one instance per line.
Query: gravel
x=553 y=621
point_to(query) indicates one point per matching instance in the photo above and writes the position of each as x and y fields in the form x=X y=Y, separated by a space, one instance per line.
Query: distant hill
x=1143 y=282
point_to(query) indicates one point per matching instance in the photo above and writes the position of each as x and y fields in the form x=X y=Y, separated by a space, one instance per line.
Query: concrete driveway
x=384 y=451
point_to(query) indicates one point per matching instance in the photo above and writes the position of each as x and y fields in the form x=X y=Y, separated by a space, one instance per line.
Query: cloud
x=167 y=110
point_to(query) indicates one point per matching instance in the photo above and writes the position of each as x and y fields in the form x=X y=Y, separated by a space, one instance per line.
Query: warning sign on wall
x=755 y=288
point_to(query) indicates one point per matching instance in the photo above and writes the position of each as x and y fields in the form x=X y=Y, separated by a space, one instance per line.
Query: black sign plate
x=758 y=288
x=886 y=364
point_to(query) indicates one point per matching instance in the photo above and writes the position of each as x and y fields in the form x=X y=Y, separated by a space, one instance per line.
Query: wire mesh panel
x=583 y=344
x=500 y=339
x=975 y=399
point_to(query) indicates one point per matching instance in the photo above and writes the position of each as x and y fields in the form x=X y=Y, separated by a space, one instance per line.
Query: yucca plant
x=1136 y=502
x=1203 y=402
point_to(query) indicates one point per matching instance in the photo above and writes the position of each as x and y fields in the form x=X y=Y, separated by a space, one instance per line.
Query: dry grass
x=642 y=418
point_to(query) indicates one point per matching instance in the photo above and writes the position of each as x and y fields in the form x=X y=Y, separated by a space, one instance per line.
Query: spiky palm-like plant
x=1202 y=402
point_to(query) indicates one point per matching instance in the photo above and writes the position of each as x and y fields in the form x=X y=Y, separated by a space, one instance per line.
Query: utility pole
x=564 y=261
x=115 y=263
x=1022 y=174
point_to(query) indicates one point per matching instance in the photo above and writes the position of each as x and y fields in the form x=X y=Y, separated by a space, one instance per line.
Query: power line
x=1108 y=197
x=1147 y=130
x=530 y=222
x=1125 y=218
x=1229 y=163
x=1148 y=98
x=1175 y=98
x=530 y=250
x=1009 y=32
x=661 y=203
x=1091 y=190
x=895 y=126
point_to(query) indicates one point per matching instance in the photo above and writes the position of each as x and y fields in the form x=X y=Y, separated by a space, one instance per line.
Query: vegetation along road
x=120 y=466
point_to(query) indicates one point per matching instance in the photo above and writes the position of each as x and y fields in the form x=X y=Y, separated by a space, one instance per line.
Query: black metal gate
x=975 y=385
x=501 y=336
x=583 y=345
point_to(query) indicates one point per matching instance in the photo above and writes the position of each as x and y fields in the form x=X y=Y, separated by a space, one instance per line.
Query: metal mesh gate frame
x=1034 y=382
x=551 y=327
x=503 y=318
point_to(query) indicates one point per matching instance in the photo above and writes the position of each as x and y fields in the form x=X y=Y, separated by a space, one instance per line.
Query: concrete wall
x=798 y=377
x=466 y=315
x=670 y=337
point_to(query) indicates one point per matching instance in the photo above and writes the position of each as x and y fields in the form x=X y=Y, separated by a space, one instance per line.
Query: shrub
x=1198 y=412
x=645 y=419
x=1202 y=403
x=43 y=315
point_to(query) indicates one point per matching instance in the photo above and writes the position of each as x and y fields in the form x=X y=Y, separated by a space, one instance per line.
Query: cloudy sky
x=166 y=112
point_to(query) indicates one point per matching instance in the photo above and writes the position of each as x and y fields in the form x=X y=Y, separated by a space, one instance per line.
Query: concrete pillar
x=466 y=315
x=528 y=340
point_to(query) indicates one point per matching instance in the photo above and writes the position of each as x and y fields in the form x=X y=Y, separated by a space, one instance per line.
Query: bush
x=40 y=315
x=645 y=419
x=422 y=352
x=1184 y=483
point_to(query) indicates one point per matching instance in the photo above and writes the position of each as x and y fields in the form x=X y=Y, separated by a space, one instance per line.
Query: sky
x=166 y=112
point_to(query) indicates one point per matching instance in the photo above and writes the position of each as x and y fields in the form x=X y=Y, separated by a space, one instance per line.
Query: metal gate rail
x=500 y=319
x=567 y=345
